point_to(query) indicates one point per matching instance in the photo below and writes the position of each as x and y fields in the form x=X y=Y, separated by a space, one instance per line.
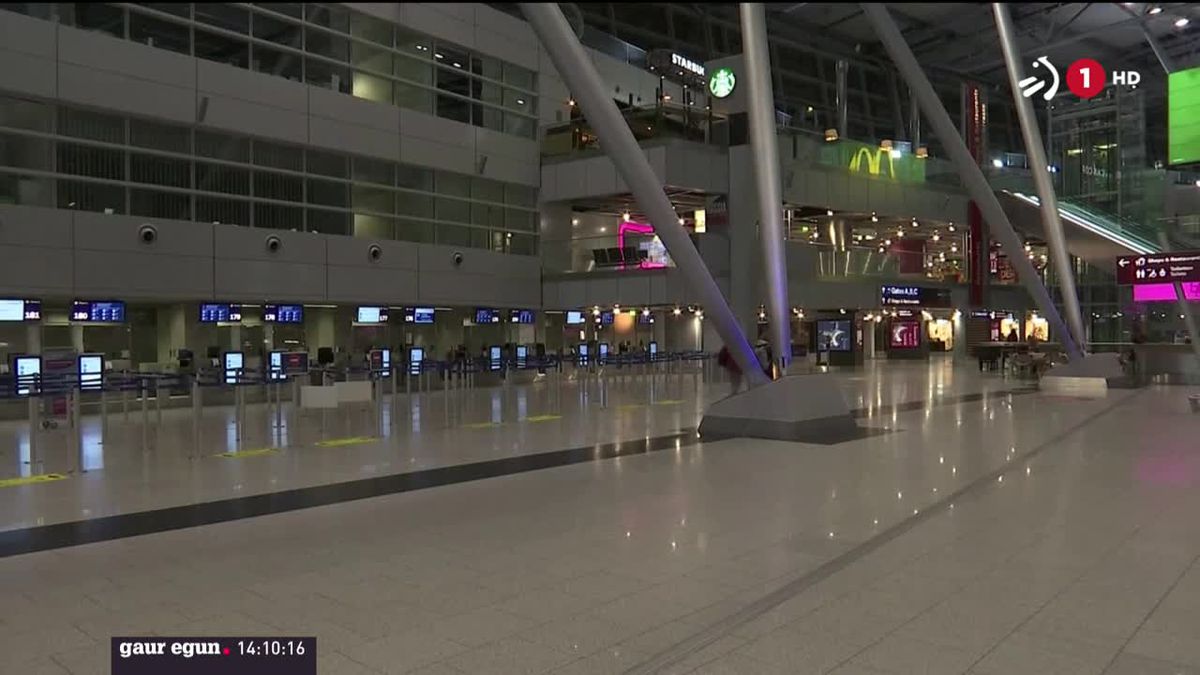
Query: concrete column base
x=1093 y=375
x=804 y=408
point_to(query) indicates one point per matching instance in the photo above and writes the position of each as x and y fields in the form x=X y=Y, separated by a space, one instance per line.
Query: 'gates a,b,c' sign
x=1157 y=268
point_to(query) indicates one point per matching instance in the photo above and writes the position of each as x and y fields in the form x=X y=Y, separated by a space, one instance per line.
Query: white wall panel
x=256 y=119
x=33 y=271
x=239 y=83
x=424 y=152
x=259 y=280
x=105 y=89
x=26 y=74
x=336 y=135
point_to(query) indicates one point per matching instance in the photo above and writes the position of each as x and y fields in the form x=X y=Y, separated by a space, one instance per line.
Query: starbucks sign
x=722 y=82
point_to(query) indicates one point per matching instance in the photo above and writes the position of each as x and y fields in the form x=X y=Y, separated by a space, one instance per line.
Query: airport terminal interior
x=629 y=338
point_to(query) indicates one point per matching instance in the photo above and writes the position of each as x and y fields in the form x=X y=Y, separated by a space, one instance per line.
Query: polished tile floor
x=996 y=534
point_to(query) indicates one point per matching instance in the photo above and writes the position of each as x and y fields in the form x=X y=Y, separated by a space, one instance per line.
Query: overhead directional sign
x=1157 y=268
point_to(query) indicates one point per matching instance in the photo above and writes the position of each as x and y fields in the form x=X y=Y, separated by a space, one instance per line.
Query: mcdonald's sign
x=871 y=160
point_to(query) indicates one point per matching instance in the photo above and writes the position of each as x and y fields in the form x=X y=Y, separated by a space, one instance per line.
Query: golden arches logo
x=874 y=161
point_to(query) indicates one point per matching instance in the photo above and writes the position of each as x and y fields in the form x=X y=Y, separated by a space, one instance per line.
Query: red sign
x=1086 y=78
x=1157 y=268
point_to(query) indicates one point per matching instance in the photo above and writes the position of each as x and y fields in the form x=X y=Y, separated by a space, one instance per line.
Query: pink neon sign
x=1164 y=292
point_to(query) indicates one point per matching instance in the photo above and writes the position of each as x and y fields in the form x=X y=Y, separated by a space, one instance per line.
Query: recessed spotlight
x=1181 y=22
x=437 y=55
x=1156 y=10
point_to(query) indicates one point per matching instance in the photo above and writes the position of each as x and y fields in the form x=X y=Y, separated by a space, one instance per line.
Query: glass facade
x=327 y=46
x=72 y=158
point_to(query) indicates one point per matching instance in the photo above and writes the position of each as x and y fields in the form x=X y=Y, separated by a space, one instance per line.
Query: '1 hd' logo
x=1086 y=78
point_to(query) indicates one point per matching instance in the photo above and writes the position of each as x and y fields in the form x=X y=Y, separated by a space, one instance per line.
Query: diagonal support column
x=1047 y=200
x=972 y=177
x=578 y=71
x=764 y=142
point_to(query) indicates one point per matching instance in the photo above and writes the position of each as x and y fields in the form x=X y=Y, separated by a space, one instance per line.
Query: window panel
x=329 y=164
x=480 y=239
x=520 y=195
x=414 y=98
x=414 y=44
x=222 y=146
x=329 y=16
x=373 y=227
x=222 y=49
x=26 y=152
x=94 y=16
x=453 y=184
x=487 y=117
x=516 y=219
x=328 y=193
x=156 y=32
x=420 y=206
x=488 y=67
x=228 y=211
x=454 y=80
x=279 y=31
x=223 y=15
x=278 y=156
x=374 y=171
x=220 y=178
x=24 y=114
x=85 y=196
x=27 y=190
x=370 y=58
x=157 y=136
x=372 y=88
x=453 y=209
x=157 y=204
x=414 y=178
x=520 y=101
x=518 y=125
x=519 y=77
x=91 y=125
x=292 y=9
x=326 y=44
x=453 y=235
x=414 y=230
x=370 y=28
x=522 y=244
x=453 y=109
x=328 y=75
x=276 y=62
x=487 y=190
x=373 y=199
x=81 y=160
x=271 y=185
x=278 y=217
x=328 y=222
x=413 y=69
x=160 y=170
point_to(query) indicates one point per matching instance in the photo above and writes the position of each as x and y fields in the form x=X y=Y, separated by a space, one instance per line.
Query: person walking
x=725 y=360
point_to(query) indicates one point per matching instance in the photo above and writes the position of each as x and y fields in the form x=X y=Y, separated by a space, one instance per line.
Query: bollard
x=77 y=427
x=158 y=402
x=196 y=415
x=145 y=415
x=103 y=414
x=35 y=425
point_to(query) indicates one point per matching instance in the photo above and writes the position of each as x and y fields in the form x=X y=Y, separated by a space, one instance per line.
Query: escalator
x=1093 y=235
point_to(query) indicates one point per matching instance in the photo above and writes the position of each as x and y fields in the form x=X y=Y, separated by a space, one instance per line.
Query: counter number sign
x=722 y=82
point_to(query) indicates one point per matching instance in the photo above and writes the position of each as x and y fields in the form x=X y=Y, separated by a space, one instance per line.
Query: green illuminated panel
x=1183 y=117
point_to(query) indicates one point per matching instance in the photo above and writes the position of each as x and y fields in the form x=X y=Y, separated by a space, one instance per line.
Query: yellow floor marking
x=256 y=452
x=481 y=425
x=542 y=418
x=669 y=402
x=30 y=480
x=340 y=442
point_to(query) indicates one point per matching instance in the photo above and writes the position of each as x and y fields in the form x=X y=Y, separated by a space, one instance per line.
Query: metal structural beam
x=760 y=103
x=972 y=177
x=579 y=73
x=1039 y=167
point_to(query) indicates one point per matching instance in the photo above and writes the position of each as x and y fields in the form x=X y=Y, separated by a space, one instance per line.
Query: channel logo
x=1085 y=78
x=1033 y=84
